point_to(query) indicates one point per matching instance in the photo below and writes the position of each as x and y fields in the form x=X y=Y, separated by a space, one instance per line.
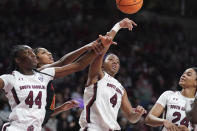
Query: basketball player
x=45 y=59
x=25 y=88
x=174 y=105
x=104 y=95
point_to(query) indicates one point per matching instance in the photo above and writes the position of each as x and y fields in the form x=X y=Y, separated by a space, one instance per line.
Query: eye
x=189 y=74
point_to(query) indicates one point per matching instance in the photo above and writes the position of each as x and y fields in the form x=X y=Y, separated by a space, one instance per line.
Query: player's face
x=27 y=58
x=111 y=64
x=188 y=79
x=44 y=56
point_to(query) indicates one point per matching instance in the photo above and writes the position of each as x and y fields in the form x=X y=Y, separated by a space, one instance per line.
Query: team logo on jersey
x=40 y=78
x=20 y=79
x=175 y=99
x=30 y=128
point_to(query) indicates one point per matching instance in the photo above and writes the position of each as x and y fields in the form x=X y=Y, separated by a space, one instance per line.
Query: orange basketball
x=129 y=6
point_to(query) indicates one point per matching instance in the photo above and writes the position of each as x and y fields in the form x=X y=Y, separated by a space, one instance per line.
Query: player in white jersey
x=174 y=105
x=104 y=95
x=26 y=88
x=45 y=59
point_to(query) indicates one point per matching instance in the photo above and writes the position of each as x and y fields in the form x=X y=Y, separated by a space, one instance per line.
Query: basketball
x=129 y=6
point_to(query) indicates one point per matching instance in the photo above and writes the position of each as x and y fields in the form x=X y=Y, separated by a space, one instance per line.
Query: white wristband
x=116 y=28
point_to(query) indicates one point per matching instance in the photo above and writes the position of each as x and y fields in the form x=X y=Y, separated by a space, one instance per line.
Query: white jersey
x=175 y=105
x=102 y=102
x=27 y=97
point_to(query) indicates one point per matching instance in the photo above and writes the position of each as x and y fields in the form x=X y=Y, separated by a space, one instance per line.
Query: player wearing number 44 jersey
x=175 y=104
x=104 y=95
x=26 y=87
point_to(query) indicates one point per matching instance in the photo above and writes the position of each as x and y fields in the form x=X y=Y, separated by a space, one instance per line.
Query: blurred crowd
x=153 y=56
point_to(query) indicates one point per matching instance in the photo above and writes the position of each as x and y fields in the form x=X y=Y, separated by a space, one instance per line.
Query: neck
x=26 y=71
x=40 y=65
x=110 y=73
x=189 y=92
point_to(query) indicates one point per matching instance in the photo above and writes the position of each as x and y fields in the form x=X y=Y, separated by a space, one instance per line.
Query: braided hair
x=13 y=55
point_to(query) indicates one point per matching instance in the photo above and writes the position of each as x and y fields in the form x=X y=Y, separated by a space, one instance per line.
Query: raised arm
x=132 y=114
x=95 y=70
x=82 y=62
x=72 y=56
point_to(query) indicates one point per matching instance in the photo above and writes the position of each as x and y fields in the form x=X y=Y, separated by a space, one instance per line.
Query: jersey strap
x=91 y=102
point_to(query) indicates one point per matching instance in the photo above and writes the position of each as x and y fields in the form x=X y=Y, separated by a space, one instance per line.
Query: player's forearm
x=86 y=59
x=57 y=110
x=114 y=30
x=72 y=56
x=154 y=121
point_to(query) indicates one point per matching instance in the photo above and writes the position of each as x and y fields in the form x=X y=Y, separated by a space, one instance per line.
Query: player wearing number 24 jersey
x=175 y=104
x=104 y=95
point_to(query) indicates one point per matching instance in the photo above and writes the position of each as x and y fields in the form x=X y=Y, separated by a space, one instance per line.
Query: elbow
x=147 y=121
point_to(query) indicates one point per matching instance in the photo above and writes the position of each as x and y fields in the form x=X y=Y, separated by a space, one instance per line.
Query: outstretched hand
x=127 y=23
x=70 y=104
x=183 y=128
x=106 y=40
x=140 y=110
x=170 y=126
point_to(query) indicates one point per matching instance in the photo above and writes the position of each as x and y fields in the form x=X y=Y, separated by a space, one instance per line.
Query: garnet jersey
x=175 y=105
x=102 y=102
x=27 y=97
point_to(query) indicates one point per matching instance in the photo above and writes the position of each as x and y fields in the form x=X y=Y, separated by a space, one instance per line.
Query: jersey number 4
x=113 y=100
x=29 y=100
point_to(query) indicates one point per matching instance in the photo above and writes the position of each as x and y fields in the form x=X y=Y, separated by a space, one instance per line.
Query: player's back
x=102 y=103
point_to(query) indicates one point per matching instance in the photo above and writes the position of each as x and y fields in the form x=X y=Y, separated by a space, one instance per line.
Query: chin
x=181 y=85
x=51 y=61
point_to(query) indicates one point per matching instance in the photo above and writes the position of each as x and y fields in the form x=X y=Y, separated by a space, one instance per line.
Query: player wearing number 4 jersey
x=174 y=105
x=26 y=88
x=104 y=95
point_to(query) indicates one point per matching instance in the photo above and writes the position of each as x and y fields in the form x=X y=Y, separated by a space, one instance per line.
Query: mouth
x=51 y=58
x=182 y=79
x=114 y=67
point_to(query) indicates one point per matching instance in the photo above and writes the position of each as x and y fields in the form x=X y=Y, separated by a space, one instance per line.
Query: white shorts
x=19 y=127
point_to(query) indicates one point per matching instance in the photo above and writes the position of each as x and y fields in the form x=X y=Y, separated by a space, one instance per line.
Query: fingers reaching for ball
x=127 y=23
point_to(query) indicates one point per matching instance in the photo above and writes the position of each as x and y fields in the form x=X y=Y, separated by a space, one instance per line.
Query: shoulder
x=49 y=71
x=168 y=93
x=7 y=76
